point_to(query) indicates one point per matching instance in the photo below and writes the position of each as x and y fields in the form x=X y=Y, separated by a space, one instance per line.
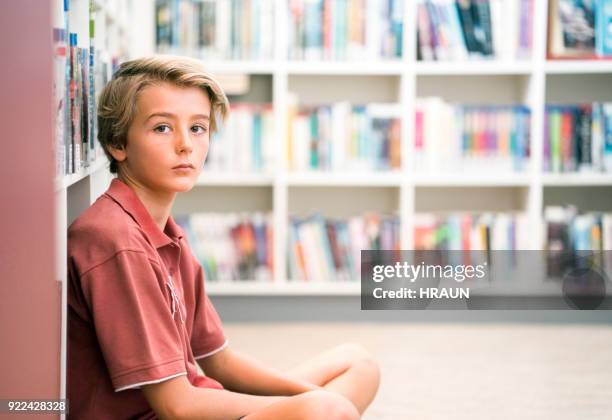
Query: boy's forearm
x=206 y=403
x=242 y=374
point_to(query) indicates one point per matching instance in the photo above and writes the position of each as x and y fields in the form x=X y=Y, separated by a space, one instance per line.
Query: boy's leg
x=308 y=406
x=347 y=369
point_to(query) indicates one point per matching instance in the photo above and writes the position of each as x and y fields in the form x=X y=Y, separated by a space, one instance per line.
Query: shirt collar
x=129 y=201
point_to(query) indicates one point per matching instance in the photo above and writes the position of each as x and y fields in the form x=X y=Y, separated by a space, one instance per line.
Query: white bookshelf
x=578 y=66
x=532 y=82
x=284 y=289
x=404 y=192
x=75 y=192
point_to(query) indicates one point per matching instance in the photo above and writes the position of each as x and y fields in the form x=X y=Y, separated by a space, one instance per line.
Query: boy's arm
x=239 y=373
x=177 y=399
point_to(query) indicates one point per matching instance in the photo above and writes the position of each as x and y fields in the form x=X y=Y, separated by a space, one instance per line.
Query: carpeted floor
x=460 y=371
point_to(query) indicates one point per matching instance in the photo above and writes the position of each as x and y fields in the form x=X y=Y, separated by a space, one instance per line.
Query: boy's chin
x=183 y=186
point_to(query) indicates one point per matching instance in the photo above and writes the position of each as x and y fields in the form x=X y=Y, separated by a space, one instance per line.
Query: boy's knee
x=329 y=406
x=362 y=357
x=355 y=351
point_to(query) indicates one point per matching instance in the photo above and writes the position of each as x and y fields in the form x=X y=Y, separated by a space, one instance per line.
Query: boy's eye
x=163 y=128
x=198 y=129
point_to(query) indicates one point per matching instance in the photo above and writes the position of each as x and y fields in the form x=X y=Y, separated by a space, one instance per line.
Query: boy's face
x=170 y=129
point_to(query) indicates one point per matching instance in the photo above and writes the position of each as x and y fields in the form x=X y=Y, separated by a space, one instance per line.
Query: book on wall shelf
x=464 y=231
x=580 y=29
x=345 y=29
x=79 y=75
x=570 y=232
x=460 y=30
x=216 y=29
x=231 y=247
x=578 y=138
x=329 y=249
x=344 y=137
x=244 y=142
x=452 y=138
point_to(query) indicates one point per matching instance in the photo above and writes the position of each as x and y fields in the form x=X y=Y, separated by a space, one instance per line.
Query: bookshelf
x=75 y=191
x=533 y=82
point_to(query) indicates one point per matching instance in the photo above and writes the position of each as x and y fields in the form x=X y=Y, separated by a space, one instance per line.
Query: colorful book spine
x=60 y=94
x=476 y=29
x=577 y=138
x=322 y=249
x=231 y=246
x=341 y=137
x=223 y=29
x=245 y=143
x=603 y=21
x=471 y=138
x=471 y=231
x=91 y=87
x=345 y=29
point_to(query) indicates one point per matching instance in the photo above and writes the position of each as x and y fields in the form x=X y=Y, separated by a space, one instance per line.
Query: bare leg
x=347 y=369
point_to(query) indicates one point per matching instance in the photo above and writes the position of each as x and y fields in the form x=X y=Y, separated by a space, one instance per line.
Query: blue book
x=319 y=222
x=603 y=27
x=606 y=128
x=257 y=158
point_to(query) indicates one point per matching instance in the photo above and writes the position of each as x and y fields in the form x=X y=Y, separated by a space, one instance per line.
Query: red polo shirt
x=138 y=312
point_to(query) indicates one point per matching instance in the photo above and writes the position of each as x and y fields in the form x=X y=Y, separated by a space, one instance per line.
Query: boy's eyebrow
x=170 y=115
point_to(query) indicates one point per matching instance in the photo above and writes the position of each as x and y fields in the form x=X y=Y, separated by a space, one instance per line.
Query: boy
x=139 y=317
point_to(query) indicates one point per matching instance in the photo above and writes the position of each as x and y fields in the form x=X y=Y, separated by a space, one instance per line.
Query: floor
x=460 y=371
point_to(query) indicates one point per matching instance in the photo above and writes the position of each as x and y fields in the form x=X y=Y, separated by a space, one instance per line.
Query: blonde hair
x=117 y=101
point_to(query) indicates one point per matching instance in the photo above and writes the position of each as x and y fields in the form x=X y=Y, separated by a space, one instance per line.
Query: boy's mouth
x=184 y=166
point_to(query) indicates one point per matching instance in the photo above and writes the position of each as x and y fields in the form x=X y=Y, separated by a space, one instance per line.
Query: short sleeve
x=134 y=325
x=207 y=337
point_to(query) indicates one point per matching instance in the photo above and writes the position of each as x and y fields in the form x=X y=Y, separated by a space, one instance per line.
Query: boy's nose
x=183 y=141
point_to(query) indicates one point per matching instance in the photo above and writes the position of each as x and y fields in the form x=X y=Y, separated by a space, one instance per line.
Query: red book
x=567 y=131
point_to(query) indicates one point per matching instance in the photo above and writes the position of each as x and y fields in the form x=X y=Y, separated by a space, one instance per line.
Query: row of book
x=239 y=246
x=468 y=231
x=372 y=29
x=344 y=137
x=245 y=142
x=578 y=138
x=216 y=29
x=325 y=249
x=231 y=246
x=470 y=138
x=567 y=229
x=474 y=29
x=580 y=29
x=78 y=74
x=574 y=238
x=345 y=29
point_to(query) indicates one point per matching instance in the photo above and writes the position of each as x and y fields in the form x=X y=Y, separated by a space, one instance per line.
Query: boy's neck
x=157 y=204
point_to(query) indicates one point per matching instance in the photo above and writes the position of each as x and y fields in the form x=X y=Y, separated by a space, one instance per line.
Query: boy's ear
x=118 y=153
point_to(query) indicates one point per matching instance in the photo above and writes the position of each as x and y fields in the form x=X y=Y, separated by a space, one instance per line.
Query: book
x=215 y=29
x=329 y=249
x=61 y=132
x=452 y=138
x=577 y=138
x=603 y=24
x=231 y=246
x=579 y=29
x=457 y=30
x=345 y=29
x=245 y=142
x=462 y=231
x=344 y=137
x=80 y=71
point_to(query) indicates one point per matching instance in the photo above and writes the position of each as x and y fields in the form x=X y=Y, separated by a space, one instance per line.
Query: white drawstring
x=175 y=300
